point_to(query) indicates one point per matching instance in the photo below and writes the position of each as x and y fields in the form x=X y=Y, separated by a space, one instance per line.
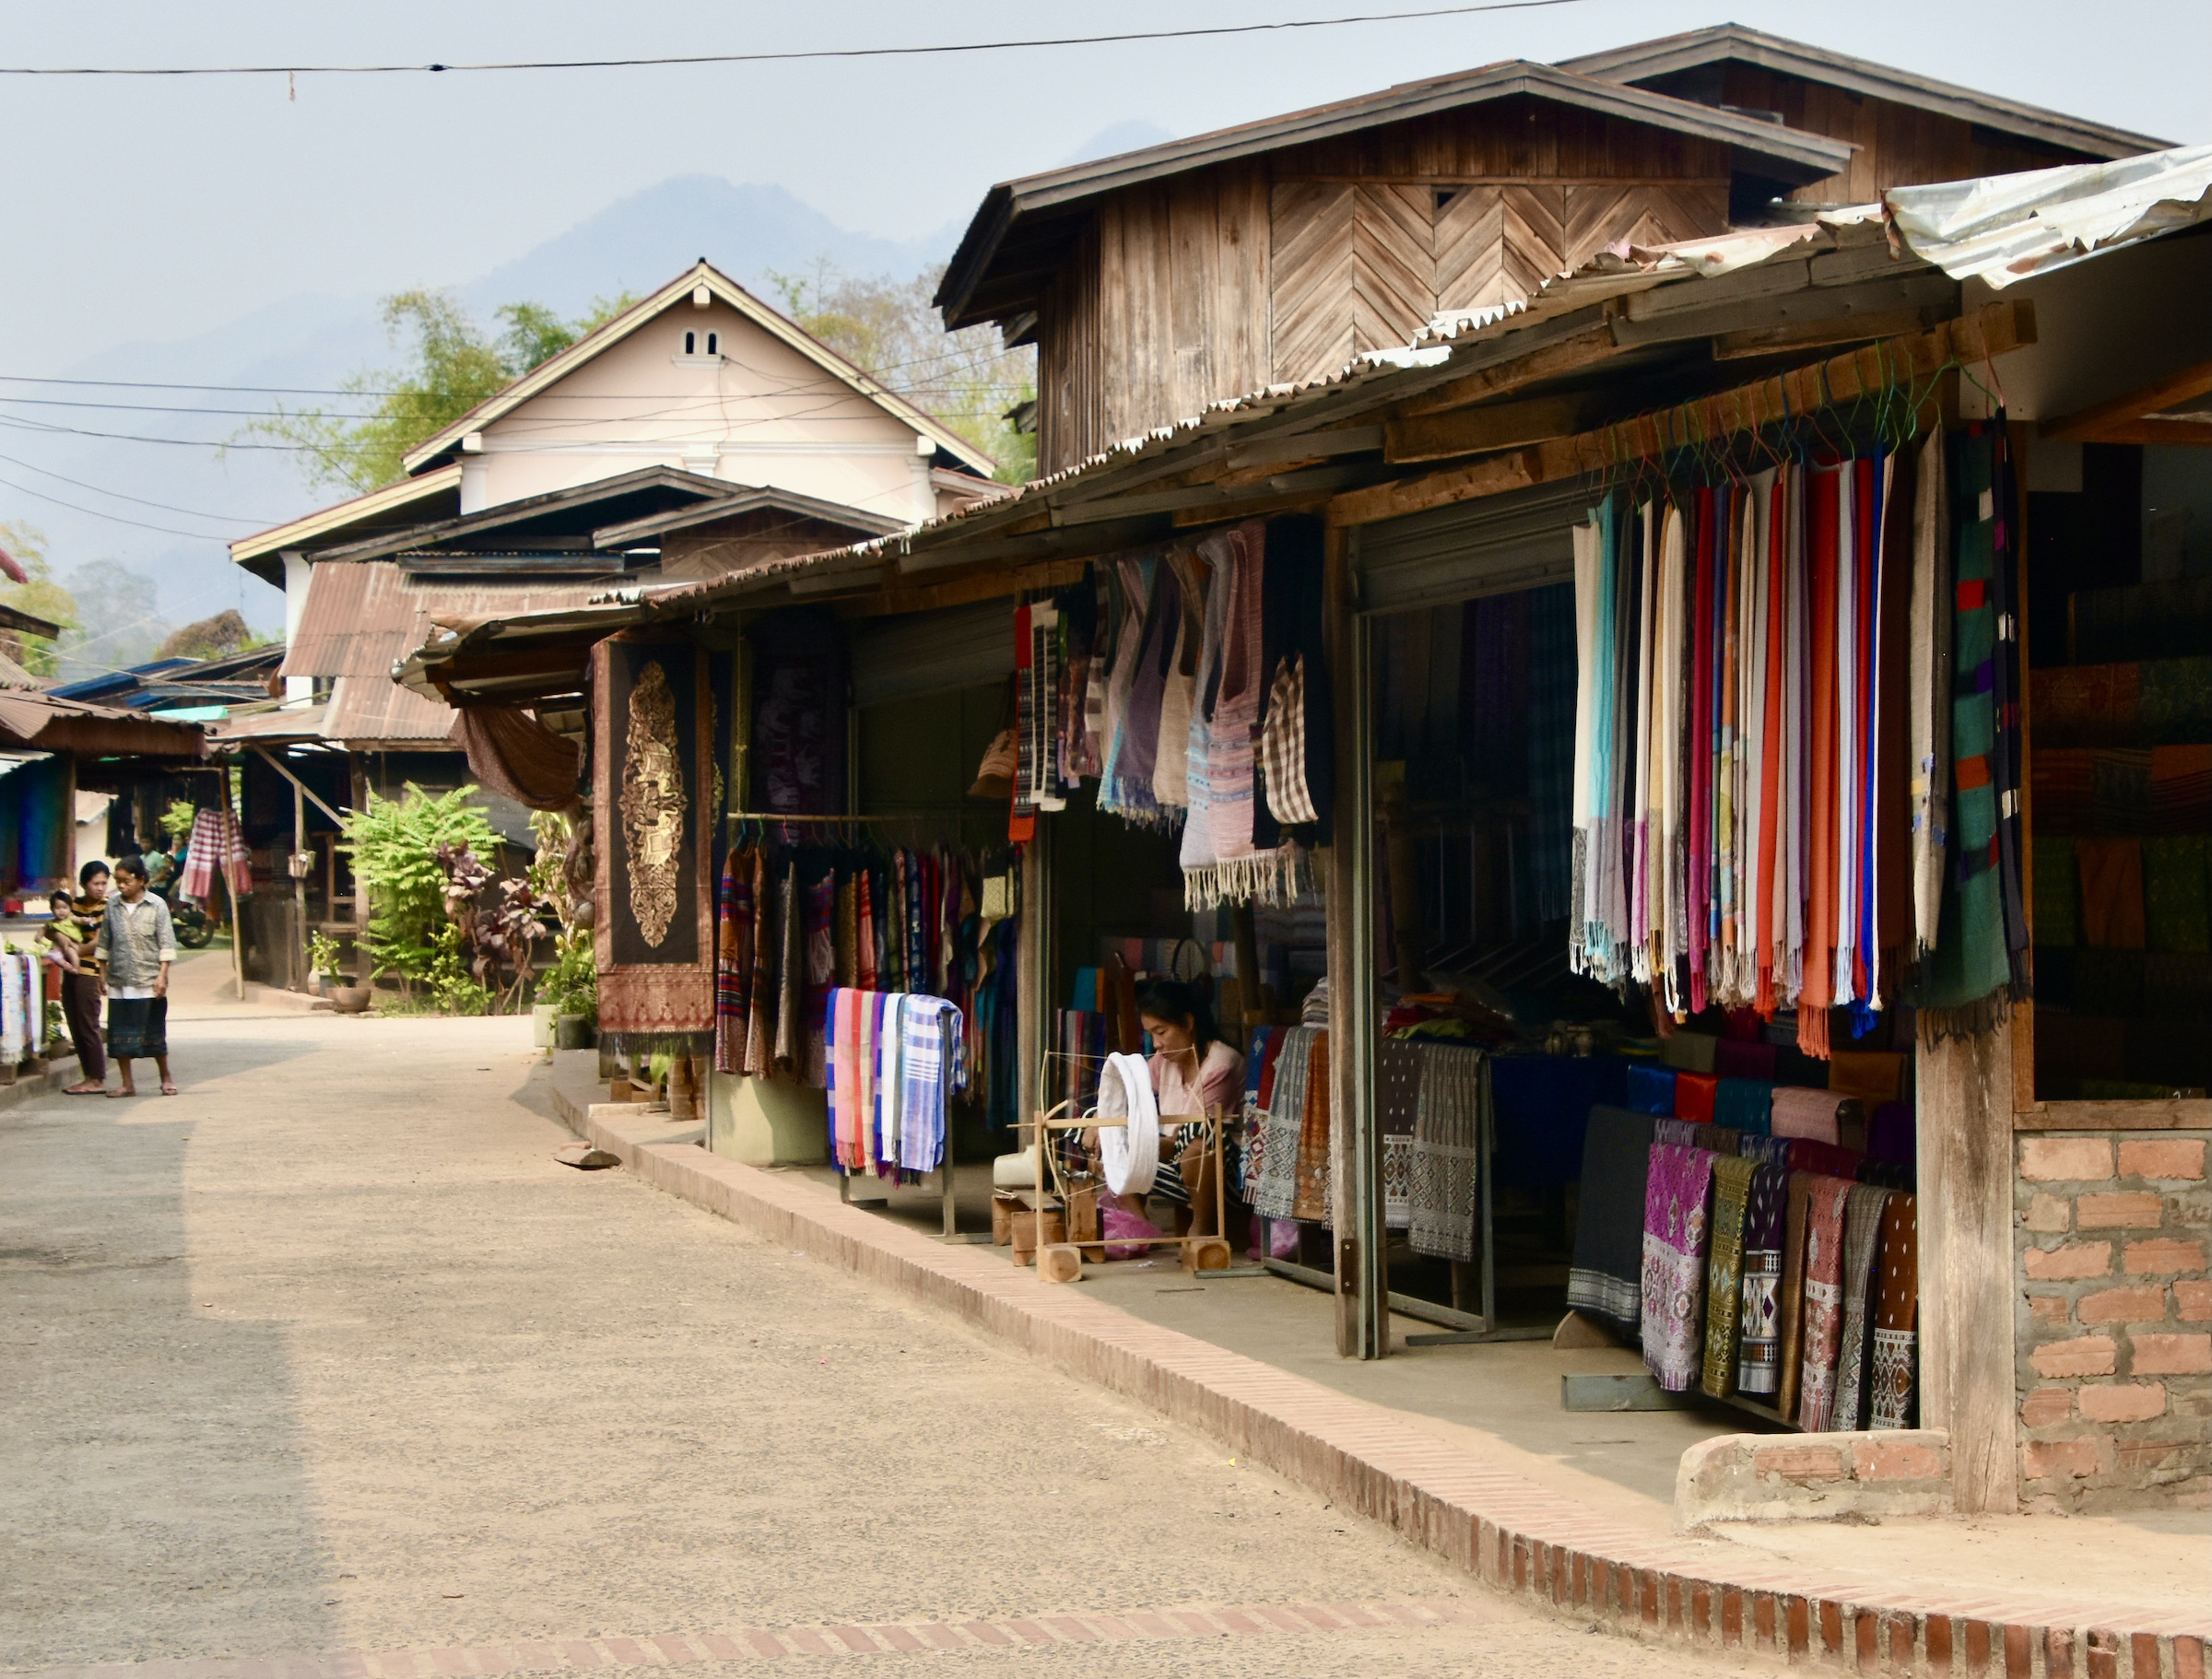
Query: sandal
x=168 y=1088
x=85 y=1088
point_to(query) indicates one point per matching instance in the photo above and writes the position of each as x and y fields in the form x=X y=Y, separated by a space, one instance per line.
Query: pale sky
x=155 y=210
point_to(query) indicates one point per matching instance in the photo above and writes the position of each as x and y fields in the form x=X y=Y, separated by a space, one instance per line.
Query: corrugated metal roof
x=2001 y=229
x=361 y=619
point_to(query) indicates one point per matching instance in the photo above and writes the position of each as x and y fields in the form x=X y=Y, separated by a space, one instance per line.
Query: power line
x=24 y=489
x=98 y=490
x=672 y=60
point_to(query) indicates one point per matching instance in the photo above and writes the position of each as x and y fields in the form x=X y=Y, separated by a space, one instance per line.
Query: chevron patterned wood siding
x=1364 y=267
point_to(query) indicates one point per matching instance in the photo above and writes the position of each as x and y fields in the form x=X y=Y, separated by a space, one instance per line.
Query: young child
x=64 y=933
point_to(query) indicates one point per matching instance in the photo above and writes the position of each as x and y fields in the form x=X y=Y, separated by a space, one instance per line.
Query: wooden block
x=1083 y=1214
x=1060 y=1262
x=1002 y=1219
x=1207 y=1253
x=1576 y=1331
x=1024 y=1232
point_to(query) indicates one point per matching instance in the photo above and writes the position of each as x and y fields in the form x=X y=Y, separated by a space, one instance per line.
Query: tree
x=454 y=367
x=227 y=633
x=119 y=619
x=38 y=595
x=967 y=379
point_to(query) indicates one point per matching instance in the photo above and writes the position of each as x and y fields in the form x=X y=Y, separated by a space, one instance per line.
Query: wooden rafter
x=2096 y=425
x=1866 y=372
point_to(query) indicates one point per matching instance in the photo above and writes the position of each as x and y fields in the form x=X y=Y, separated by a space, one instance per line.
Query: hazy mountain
x=199 y=501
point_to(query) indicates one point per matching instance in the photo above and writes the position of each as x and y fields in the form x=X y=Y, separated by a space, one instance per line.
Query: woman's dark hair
x=1174 y=1000
x=85 y=874
x=133 y=866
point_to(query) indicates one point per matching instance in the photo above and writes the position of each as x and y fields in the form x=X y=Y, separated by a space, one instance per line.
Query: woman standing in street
x=136 y=944
x=80 y=981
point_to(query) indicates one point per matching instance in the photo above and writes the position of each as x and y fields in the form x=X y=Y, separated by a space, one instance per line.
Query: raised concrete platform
x=1900 y=1606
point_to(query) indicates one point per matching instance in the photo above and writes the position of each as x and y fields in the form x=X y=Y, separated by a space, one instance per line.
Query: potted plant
x=322 y=963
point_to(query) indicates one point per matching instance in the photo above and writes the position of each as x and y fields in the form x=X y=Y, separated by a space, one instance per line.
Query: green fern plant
x=393 y=847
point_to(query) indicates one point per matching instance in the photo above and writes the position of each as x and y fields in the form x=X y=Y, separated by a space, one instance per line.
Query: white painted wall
x=756 y=413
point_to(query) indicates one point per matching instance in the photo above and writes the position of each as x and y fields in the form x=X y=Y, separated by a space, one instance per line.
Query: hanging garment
x=1897 y=1303
x=790 y=1055
x=1731 y=1200
x=1677 y=1202
x=841 y=1056
x=1127 y=788
x=215 y=845
x=761 y=998
x=1932 y=656
x=1861 y=1241
x=1606 y=1278
x=733 y=963
x=1449 y=1126
x=931 y=1029
x=16 y=1002
x=1823 y=1301
x=1179 y=685
x=1789 y=1353
x=1766 y=1205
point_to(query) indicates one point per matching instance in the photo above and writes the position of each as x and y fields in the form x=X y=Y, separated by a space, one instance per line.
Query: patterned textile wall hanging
x=653 y=787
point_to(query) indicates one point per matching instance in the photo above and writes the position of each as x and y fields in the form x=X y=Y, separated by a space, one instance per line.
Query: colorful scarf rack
x=893 y=1061
x=216 y=844
x=1767 y=769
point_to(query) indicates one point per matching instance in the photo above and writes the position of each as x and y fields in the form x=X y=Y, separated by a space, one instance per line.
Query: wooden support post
x=1967 y=1373
x=300 y=884
x=237 y=917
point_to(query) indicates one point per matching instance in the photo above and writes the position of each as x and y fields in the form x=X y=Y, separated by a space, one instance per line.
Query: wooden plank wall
x=1163 y=308
x=1899 y=145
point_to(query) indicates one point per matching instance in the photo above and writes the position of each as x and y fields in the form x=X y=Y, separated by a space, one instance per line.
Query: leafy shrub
x=393 y=844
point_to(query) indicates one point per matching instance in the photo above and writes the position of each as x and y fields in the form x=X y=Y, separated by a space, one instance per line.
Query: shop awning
x=35 y=721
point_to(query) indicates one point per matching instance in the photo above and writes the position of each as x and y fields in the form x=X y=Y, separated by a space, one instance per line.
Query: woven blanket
x=1676 y=1213
x=1723 y=1274
x=1811 y=1114
x=1789 y=1362
x=931 y=1031
x=1397 y=1093
x=1745 y=1105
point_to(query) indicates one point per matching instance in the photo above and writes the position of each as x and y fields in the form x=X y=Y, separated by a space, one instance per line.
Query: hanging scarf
x=1787 y=1355
x=1896 y=1298
x=1311 y=1202
x=1766 y=1203
x=1967 y=983
x=1861 y=1239
x=1179 y=685
x=1588 y=574
x=734 y=964
x=932 y=1029
x=1731 y=1200
x=1128 y=789
x=1933 y=654
x=1196 y=855
x=790 y=976
x=1823 y=1301
x=1677 y=1200
x=761 y=990
x=1824 y=516
x=1605 y=1279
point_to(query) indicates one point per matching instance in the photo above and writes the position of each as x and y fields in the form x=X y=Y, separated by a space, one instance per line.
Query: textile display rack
x=942 y=1179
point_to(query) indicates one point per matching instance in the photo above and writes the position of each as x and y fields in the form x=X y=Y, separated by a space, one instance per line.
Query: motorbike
x=189 y=922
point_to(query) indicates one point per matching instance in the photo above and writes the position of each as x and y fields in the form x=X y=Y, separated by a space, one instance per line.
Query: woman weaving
x=1193 y=1073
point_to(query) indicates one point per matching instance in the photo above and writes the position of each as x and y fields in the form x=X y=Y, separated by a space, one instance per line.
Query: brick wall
x=2110 y=1252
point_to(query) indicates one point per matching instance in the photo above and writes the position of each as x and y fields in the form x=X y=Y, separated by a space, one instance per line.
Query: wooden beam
x=1440 y=437
x=1812 y=334
x=965 y=591
x=298 y=786
x=2186 y=434
x=2146 y=399
x=1306 y=446
x=1865 y=372
x=1586 y=349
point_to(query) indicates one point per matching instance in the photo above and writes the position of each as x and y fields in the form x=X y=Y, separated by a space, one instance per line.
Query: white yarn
x=1130 y=1153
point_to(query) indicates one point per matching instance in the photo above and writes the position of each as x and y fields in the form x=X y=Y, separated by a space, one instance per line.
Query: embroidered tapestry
x=654 y=809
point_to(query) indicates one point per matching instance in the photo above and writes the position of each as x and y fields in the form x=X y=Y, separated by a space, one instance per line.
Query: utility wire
x=818 y=52
x=101 y=489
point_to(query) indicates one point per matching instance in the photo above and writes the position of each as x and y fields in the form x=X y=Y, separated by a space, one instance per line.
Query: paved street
x=328 y=1354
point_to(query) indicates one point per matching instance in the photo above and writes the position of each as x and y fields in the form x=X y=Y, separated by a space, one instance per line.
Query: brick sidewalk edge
x=1514 y=1536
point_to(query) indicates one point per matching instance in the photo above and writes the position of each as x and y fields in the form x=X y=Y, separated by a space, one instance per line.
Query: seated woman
x=1193 y=1073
